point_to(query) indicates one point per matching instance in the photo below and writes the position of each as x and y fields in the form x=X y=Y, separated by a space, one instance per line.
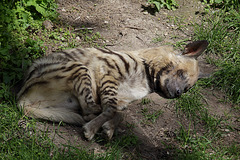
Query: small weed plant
x=151 y=116
x=224 y=4
x=169 y=4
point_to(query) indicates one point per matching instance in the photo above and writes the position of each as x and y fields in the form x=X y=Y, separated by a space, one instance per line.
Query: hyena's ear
x=195 y=48
x=203 y=75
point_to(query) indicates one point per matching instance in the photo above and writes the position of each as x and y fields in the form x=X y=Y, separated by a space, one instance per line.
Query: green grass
x=222 y=30
x=201 y=138
x=194 y=108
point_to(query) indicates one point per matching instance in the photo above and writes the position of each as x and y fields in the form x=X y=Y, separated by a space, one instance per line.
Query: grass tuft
x=222 y=30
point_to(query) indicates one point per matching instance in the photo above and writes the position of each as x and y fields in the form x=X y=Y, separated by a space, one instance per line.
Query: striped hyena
x=92 y=86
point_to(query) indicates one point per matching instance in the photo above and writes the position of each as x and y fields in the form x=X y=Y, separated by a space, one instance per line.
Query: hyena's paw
x=89 y=131
x=89 y=117
x=108 y=129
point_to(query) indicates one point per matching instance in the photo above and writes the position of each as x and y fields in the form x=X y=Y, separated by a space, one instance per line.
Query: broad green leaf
x=38 y=8
x=218 y=1
x=157 y=4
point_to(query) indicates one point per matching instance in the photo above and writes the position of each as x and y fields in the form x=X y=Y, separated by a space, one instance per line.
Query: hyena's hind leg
x=82 y=85
x=44 y=101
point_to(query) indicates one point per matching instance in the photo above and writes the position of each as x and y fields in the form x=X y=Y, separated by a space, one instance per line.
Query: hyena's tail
x=55 y=115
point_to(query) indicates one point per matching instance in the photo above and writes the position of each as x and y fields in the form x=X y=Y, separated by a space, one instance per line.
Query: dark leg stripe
x=88 y=83
x=110 y=100
x=109 y=92
x=107 y=75
x=108 y=87
x=80 y=83
x=109 y=81
x=86 y=91
x=79 y=73
x=88 y=96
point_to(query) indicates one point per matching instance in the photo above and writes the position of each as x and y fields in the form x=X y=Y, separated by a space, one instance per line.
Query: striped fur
x=95 y=85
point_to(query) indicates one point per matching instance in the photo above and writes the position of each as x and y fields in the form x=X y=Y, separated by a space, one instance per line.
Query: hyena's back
x=55 y=85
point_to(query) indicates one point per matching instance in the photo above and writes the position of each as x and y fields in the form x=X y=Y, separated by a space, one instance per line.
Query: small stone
x=77 y=18
x=145 y=12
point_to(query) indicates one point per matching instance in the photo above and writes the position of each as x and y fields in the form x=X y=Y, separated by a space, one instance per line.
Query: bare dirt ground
x=126 y=25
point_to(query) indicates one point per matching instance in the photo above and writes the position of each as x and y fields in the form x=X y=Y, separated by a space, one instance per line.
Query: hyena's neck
x=149 y=75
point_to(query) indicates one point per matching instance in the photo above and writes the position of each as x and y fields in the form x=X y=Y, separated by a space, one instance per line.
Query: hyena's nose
x=178 y=92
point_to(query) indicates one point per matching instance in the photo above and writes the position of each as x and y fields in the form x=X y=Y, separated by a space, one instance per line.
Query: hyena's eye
x=167 y=71
x=180 y=74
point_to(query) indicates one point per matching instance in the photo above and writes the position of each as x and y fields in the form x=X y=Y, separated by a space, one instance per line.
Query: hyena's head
x=180 y=72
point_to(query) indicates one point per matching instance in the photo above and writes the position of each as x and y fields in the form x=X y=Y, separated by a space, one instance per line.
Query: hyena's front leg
x=110 y=126
x=109 y=102
x=82 y=84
